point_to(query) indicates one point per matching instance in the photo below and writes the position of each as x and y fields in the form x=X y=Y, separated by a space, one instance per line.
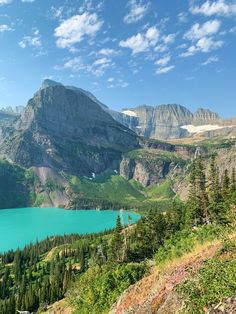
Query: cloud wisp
x=202 y=38
x=219 y=8
x=137 y=11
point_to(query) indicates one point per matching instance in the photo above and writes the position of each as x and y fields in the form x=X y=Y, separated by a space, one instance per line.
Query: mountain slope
x=65 y=129
x=185 y=283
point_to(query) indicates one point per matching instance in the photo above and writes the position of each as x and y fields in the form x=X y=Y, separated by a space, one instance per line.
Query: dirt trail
x=152 y=292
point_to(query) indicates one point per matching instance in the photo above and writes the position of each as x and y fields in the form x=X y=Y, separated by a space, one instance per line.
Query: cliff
x=65 y=129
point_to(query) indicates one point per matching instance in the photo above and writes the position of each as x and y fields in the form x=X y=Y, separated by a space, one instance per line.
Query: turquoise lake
x=21 y=226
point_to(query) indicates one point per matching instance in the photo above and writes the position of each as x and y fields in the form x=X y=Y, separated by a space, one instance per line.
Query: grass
x=215 y=281
x=161 y=192
x=185 y=242
x=131 y=194
x=99 y=287
x=109 y=187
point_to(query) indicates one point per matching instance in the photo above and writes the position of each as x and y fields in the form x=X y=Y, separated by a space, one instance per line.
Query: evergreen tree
x=214 y=192
x=117 y=241
x=226 y=185
x=197 y=204
x=233 y=183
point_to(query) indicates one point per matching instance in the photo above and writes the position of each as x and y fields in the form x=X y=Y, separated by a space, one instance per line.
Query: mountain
x=169 y=121
x=163 y=122
x=65 y=131
x=174 y=121
x=64 y=128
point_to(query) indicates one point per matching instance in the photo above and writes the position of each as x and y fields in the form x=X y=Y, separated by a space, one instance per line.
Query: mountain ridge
x=60 y=125
x=164 y=122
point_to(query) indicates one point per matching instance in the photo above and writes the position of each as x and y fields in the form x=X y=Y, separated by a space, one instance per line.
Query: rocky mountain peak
x=65 y=129
x=49 y=83
x=205 y=116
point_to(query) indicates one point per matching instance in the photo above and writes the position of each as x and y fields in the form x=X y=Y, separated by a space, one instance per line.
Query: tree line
x=37 y=276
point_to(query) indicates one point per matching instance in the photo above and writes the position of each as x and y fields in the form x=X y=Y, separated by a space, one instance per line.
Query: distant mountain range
x=62 y=126
x=162 y=122
x=66 y=131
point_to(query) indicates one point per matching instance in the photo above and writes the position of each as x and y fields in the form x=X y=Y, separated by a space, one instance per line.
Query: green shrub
x=214 y=282
x=98 y=288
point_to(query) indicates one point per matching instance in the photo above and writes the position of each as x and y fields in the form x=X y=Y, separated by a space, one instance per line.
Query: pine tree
x=197 y=204
x=192 y=196
x=233 y=183
x=226 y=185
x=203 y=215
x=214 y=191
x=117 y=241
x=213 y=182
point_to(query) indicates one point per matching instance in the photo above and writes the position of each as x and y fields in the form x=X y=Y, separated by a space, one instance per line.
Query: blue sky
x=126 y=52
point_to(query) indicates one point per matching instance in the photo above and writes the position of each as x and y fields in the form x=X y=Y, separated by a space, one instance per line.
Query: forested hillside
x=16 y=186
x=93 y=271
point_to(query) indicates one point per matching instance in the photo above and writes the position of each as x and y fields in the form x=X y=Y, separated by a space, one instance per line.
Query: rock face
x=165 y=121
x=64 y=128
x=205 y=116
x=147 y=172
x=154 y=161
x=161 y=122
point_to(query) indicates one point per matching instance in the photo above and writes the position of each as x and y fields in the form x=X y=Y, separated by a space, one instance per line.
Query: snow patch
x=129 y=113
x=203 y=128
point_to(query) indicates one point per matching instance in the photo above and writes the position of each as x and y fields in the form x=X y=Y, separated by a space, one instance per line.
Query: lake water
x=21 y=226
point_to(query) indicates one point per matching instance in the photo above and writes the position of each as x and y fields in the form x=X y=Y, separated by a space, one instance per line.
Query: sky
x=126 y=53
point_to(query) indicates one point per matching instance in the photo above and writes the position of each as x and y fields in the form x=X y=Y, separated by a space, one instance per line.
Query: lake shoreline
x=20 y=226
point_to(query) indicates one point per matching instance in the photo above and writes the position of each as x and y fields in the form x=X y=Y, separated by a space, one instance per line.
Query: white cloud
x=205 y=44
x=33 y=41
x=198 y=31
x=152 y=35
x=57 y=12
x=161 y=48
x=74 y=29
x=165 y=70
x=137 y=10
x=169 y=39
x=219 y=7
x=107 y=52
x=142 y=41
x=137 y=43
x=163 y=65
x=111 y=79
x=202 y=38
x=233 y=30
x=163 y=61
x=102 y=61
x=89 y=5
x=5 y=28
x=114 y=83
x=75 y=64
x=210 y=60
x=97 y=68
x=2 y=2
x=183 y=17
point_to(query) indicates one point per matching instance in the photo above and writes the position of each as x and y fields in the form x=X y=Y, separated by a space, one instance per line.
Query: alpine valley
x=173 y=168
x=68 y=149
